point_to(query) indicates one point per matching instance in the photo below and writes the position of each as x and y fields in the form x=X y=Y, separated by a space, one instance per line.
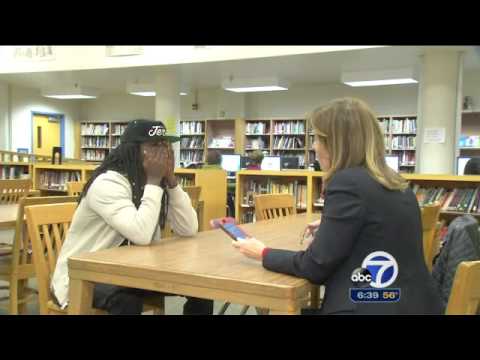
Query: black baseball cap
x=147 y=131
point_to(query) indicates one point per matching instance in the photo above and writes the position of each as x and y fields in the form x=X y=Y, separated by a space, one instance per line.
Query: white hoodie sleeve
x=181 y=215
x=110 y=196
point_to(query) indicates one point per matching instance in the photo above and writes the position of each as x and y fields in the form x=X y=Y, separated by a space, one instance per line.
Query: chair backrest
x=11 y=191
x=274 y=206
x=75 y=188
x=21 y=256
x=465 y=296
x=47 y=226
x=430 y=215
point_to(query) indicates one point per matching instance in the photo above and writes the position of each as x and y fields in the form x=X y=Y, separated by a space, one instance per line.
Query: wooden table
x=8 y=216
x=205 y=266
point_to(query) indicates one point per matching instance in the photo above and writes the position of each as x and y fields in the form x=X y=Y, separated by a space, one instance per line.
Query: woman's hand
x=312 y=227
x=250 y=247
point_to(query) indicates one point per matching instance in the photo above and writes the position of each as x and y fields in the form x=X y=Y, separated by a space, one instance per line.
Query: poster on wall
x=34 y=53
x=434 y=136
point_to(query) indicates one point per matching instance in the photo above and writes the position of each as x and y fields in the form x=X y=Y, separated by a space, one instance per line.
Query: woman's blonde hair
x=350 y=132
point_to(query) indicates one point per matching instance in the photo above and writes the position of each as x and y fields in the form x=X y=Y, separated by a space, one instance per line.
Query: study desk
x=205 y=266
x=8 y=216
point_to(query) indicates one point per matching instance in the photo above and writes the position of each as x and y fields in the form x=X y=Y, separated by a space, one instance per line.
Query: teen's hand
x=250 y=247
x=311 y=228
x=154 y=164
x=170 y=175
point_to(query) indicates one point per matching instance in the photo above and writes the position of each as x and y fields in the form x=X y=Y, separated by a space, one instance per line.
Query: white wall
x=121 y=107
x=4 y=130
x=24 y=101
x=297 y=101
x=471 y=87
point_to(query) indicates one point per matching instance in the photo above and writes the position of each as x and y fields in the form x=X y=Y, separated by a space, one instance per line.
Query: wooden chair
x=75 y=188
x=273 y=206
x=465 y=295
x=11 y=191
x=430 y=215
x=48 y=226
x=17 y=268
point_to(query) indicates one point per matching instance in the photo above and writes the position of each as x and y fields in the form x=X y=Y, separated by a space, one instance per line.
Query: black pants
x=119 y=300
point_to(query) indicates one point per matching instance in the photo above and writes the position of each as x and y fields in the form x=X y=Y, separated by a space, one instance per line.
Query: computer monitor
x=289 y=162
x=461 y=162
x=393 y=161
x=271 y=163
x=244 y=162
x=231 y=163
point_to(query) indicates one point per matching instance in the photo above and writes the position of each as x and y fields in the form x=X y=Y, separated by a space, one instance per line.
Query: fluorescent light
x=183 y=94
x=381 y=82
x=68 y=93
x=378 y=78
x=255 y=85
x=143 y=93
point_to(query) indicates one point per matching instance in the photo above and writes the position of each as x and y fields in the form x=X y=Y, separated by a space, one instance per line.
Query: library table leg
x=289 y=312
x=81 y=297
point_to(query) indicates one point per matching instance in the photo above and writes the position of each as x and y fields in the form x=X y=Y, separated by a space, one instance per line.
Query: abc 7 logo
x=379 y=270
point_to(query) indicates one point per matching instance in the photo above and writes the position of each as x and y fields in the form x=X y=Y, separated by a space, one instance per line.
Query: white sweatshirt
x=107 y=216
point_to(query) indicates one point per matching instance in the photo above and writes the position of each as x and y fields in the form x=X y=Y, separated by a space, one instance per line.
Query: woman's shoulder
x=349 y=175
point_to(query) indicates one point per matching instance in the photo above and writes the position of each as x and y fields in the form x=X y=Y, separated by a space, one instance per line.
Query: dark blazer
x=361 y=216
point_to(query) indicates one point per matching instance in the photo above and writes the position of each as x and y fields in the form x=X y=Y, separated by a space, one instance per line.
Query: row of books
x=472 y=141
x=403 y=142
x=222 y=142
x=248 y=216
x=289 y=127
x=192 y=127
x=14 y=158
x=13 y=172
x=101 y=142
x=288 y=142
x=256 y=143
x=118 y=129
x=255 y=187
x=185 y=181
x=191 y=156
x=257 y=128
x=388 y=141
x=407 y=158
x=192 y=142
x=94 y=129
x=403 y=126
x=465 y=200
x=384 y=124
x=115 y=142
x=94 y=155
x=57 y=180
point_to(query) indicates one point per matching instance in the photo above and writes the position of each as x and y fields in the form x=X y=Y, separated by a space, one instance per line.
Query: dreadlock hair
x=127 y=160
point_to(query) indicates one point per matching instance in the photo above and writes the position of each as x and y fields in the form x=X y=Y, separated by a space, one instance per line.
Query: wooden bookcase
x=50 y=179
x=98 y=138
x=470 y=127
x=15 y=165
x=313 y=180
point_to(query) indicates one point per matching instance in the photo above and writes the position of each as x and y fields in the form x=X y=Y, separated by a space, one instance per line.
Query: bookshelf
x=98 y=138
x=117 y=131
x=313 y=181
x=469 y=142
x=257 y=136
x=220 y=136
x=51 y=179
x=400 y=133
x=290 y=138
x=15 y=165
x=192 y=141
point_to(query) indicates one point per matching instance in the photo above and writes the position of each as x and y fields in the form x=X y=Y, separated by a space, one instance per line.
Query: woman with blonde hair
x=370 y=234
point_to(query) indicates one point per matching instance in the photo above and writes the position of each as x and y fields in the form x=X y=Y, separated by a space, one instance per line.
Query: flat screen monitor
x=461 y=162
x=393 y=162
x=271 y=163
x=231 y=163
x=290 y=162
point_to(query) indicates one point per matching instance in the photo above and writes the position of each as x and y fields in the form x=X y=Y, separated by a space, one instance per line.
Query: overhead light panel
x=183 y=93
x=254 y=85
x=378 y=78
x=144 y=89
x=75 y=92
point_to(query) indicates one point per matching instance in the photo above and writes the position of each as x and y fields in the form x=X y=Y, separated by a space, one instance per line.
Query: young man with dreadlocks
x=127 y=201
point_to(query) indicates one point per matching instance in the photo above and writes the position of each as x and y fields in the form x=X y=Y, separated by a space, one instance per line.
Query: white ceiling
x=297 y=69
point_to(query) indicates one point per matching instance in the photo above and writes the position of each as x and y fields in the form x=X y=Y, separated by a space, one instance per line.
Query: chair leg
x=13 y=302
x=224 y=308
x=244 y=310
x=22 y=307
x=261 y=311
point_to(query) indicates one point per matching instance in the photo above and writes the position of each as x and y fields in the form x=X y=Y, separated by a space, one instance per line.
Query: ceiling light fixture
x=75 y=92
x=378 y=78
x=254 y=85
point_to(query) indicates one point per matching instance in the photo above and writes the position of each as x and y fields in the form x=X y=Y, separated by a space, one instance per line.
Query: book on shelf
x=288 y=142
x=256 y=143
x=407 y=158
x=192 y=127
x=289 y=127
x=94 y=154
x=407 y=125
x=248 y=216
x=463 y=200
x=115 y=142
x=469 y=141
x=57 y=180
x=191 y=155
x=270 y=186
x=256 y=128
x=403 y=142
x=185 y=180
x=94 y=129
x=192 y=142
x=384 y=124
x=13 y=172
x=222 y=142
x=118 y=129
x=94 y=141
